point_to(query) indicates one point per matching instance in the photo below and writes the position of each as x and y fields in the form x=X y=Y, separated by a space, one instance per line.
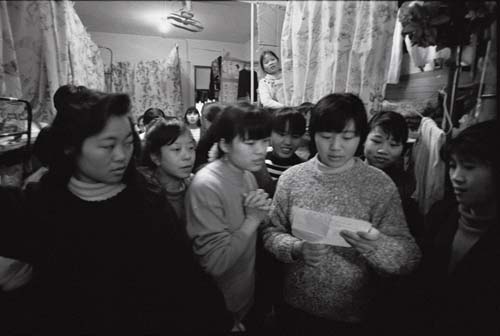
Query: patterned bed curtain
x=45 y=45
x=337 y=46
x=155 y=83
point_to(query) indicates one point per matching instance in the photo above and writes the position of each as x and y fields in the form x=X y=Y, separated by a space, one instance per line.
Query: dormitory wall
x=134 y=48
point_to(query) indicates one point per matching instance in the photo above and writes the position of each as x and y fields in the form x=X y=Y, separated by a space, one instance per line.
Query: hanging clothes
x=244 y=84
x=429 y=169
x=215 y=78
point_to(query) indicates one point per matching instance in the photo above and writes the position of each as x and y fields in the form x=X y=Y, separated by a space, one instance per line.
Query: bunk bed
x=16 y=137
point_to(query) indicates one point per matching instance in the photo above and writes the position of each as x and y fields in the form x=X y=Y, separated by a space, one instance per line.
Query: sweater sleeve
x=215 y=246
x=277 y=230
x=266 y=97
x=397 y=251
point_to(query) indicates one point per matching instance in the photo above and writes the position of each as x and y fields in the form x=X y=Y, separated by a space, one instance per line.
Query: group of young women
x=116 y=248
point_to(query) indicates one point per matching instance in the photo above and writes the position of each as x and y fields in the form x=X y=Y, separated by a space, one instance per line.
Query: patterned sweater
x=342 y=286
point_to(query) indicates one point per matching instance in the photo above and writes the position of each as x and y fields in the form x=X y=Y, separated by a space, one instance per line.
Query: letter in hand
x=313 y=253
x=363 y=242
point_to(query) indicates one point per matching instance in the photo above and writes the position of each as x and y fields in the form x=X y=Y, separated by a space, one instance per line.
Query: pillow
x=411 y=108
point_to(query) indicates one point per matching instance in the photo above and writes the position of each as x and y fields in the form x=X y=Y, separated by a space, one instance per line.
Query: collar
x=94 y=191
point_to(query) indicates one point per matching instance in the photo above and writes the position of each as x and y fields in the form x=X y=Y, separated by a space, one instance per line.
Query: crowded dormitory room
x=283 y=168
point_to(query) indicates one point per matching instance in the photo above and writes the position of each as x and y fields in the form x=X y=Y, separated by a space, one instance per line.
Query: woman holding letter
x=338 y=225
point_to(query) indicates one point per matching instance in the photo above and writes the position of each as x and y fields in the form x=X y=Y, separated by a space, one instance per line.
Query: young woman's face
x=104 y=157
x=284 y=143
x=472 y=182
x=192 y=118
x=381 y=150
x=247 y=154
x=336 y=149
x=177 y=159
x=271 y=64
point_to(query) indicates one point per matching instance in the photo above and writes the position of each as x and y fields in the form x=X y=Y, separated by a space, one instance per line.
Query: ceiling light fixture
x=184 y=19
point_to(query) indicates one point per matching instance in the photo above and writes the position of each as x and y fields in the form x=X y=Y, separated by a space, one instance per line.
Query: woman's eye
x=376 y=141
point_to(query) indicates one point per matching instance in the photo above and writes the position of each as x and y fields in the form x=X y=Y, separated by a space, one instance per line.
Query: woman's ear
x=155 y=158
x=224 y=146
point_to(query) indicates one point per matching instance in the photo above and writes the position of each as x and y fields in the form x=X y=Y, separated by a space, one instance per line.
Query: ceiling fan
x=184 y=19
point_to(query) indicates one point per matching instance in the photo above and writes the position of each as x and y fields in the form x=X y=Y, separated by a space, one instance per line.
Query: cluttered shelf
x=16 y=136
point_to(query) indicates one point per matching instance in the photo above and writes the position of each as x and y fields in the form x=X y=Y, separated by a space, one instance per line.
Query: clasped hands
x=257 y=204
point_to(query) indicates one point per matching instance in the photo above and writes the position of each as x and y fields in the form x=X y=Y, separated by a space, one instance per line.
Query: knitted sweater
x=215 y=214
x=343 y=285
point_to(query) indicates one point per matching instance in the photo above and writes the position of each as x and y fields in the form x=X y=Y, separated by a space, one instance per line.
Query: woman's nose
x=334 y=144
x=456 y=175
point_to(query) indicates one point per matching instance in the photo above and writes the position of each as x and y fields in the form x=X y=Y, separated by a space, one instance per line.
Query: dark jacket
x=111 y=267
x=467 y=300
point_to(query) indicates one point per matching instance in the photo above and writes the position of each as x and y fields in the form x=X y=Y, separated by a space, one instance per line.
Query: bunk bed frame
x=18 y=151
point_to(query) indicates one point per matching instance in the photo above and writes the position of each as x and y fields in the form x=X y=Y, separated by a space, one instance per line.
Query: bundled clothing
x=244 y=81
x=343 y=286
x=215 y=214
x=109 y=261
x=429 y=169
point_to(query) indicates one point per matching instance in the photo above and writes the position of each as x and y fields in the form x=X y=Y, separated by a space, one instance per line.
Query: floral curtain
x=337 y=46
x=45 y=45
x=155 y=83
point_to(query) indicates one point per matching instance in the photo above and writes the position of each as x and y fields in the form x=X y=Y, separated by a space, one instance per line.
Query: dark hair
x=241 y=119
x=264 y=53
x=192 y=110
x=305 y=107
x=164 y=131
x=211 y=110
x=392 y=124
x=332 y=113
x=42 y=148
x=474 y=143
x=151 y=114
x=81 y=113
x=296 y=121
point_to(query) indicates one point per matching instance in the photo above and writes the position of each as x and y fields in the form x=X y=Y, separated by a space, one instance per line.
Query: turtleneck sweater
x=215 y=215
x=341 y=287
x=94 y=192
x=469 y=230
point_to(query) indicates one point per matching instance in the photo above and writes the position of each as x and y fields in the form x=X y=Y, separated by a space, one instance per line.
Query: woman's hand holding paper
x=364 y=242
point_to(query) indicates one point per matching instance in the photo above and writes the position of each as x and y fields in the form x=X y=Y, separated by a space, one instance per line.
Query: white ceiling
x=226 y=21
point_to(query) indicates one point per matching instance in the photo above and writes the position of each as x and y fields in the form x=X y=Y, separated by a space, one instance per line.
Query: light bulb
x=164 y=26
